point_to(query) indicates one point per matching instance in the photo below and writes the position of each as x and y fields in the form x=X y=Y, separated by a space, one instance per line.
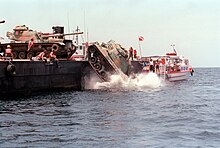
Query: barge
x=27 y=77
x=33 y=77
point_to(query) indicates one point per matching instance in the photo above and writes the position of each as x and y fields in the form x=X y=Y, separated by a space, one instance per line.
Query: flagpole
x=140 y=48
x=140 y=38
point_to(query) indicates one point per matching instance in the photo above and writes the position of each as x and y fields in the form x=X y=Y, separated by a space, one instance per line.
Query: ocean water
x=145 y=112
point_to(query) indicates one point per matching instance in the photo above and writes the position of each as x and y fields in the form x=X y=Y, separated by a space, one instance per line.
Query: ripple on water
x=181 y=114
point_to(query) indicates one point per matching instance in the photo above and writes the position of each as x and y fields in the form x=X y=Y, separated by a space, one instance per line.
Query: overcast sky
x=192 y=25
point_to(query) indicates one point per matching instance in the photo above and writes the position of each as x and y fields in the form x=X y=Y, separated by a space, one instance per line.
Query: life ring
x=55 y=47
x=11 y=69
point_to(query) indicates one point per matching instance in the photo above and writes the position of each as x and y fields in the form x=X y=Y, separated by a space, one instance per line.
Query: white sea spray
x=140 y=82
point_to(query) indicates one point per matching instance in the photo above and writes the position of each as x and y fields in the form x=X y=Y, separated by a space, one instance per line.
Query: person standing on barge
x=8 y=52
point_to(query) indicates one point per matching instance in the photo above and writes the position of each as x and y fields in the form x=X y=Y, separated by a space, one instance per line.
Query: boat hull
x=177 y=76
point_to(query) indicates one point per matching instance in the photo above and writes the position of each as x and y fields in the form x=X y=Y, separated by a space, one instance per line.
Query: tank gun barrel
x=2 y=21
x=76 y=33
x=58 y=35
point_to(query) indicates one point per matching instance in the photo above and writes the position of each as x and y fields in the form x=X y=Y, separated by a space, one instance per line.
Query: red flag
x=141 y=38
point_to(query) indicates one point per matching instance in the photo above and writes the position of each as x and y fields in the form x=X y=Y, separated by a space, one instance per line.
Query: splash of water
x=140 y=82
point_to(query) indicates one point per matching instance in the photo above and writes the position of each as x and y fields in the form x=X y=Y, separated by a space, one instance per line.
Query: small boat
x=170 y=66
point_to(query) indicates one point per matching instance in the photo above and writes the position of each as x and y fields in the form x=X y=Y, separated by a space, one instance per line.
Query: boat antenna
x=87 y=35
x=77 y=38
x=82 y=38
x=173 y=45
x=68 y=23
x=84 y=23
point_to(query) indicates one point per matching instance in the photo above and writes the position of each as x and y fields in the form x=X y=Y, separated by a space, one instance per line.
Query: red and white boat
x=170 y=67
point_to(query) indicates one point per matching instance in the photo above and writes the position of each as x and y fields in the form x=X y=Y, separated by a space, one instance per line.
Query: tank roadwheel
x=98 y=66
x=21 y=55
x=91 y=50
x=15 y=55
x=103 y=73
x=93 y=60
x=30 y=55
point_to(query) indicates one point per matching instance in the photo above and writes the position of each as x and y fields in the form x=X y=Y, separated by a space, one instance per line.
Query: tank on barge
x=26 y=43
x=22 y=76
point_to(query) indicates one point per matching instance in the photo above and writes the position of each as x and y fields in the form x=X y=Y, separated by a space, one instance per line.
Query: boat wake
x=140 y=82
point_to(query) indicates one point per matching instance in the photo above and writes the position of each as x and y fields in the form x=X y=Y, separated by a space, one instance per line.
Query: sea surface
x=119 y=114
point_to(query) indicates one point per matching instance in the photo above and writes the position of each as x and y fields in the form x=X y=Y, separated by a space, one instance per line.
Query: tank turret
x=22 y=34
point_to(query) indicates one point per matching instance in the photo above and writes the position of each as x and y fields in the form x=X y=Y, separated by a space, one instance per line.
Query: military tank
x=108 y=59
x=26 y=43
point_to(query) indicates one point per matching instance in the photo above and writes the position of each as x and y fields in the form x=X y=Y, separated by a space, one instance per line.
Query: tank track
x=99 y=63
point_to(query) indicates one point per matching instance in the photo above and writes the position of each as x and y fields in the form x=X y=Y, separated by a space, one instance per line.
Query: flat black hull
x=35 y=76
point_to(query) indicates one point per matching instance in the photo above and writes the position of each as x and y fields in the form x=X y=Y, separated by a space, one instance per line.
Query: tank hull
x=107 y=60
x=20 y=50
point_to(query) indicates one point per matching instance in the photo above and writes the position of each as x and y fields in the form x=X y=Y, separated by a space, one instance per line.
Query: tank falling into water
x=108 y=59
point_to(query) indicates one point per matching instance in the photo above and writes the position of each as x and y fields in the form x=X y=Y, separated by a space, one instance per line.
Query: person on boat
x=191 y=72
x=135 y=53
x=151 y=65
x=8 y=52
x=131 y=53
x=42 y=56
x=157 y=67
x=52 y=56
x=30 y=44
x=144 y=66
